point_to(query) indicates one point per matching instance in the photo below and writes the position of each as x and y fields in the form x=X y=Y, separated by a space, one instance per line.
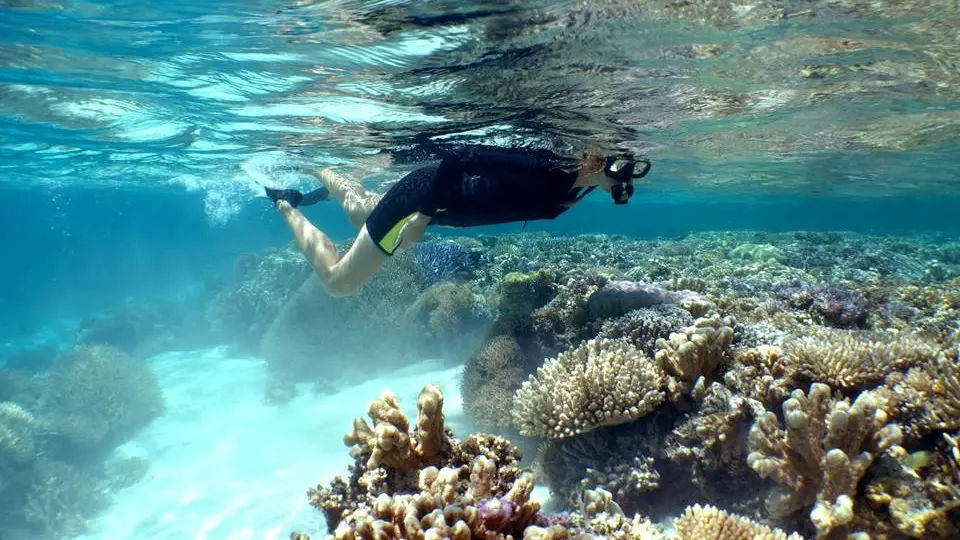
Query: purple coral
x=497 y=514
x=442 y=260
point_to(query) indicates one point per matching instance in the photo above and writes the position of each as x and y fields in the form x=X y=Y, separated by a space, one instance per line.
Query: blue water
x=133 y=134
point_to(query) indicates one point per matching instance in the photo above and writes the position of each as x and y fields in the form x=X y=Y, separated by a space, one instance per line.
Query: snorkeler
x=472 y=185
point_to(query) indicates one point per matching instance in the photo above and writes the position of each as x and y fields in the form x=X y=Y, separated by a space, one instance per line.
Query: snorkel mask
x=624 y=170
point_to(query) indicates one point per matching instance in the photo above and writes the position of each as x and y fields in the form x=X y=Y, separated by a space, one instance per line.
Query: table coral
x=853 y=360
x=819 y=460
x=600 y=383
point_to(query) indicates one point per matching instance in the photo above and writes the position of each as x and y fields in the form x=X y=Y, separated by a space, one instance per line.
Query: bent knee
x=339 y=288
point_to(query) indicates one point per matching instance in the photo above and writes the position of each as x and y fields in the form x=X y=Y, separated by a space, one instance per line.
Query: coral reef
x=448 y=319
x=853 y=360
x=262 y=284
x=760 y=373
x=820 y=458
x=424 y=483
x=362 y=333
x=615 y=298
x=690 y=356
x=643 y=327
x=927 y=398
x=600 y=383
x=18 y=428
x=97 y=396
x=490 y=378
x=698 y=522
x=444 y=260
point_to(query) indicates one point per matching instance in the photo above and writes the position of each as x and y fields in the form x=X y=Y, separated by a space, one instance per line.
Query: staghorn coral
x=603 y=516
x=699 y=522
x=98 y=396
x=852 y=360
x=643 y=327
x=819 y=460
x=927 y=398
x=600 y=383
x=61 y=498
x=689 y=356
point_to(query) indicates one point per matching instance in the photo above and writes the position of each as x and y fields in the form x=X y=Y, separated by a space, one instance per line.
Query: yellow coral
x=691 y=355
x=850 y=359
x=708 y=522
x=820 y=458
x=600 y=383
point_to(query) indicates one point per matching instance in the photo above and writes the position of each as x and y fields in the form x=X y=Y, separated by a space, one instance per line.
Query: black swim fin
x=296 y=198
x=318 y=195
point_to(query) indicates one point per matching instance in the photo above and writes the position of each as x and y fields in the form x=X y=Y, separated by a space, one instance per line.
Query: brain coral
x=600 y=383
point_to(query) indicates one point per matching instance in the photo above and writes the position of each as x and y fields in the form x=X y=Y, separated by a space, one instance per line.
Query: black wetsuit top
x=478 y=185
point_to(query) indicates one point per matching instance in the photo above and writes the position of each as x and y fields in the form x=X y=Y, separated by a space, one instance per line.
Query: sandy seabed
x=225 y=464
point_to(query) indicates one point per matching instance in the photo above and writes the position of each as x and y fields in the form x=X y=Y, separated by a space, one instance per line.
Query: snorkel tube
x=623 y=170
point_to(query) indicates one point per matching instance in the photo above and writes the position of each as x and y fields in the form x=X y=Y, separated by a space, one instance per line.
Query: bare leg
x=356 y=201
x=340 y=276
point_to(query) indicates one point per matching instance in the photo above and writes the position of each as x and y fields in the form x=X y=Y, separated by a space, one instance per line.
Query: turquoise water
x=133 y=134
x=125 y=125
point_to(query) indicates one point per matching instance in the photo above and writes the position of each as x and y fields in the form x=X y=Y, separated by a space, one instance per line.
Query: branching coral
x=699 y=522
x=98 y=395
x=760 y=373
x=853 y=360
x=928 y=397
x=402 y=480
x=689 y=356
x=600 y=383
x=819 y=460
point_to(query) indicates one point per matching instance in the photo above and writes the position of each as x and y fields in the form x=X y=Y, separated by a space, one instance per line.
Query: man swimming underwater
x=472 y=185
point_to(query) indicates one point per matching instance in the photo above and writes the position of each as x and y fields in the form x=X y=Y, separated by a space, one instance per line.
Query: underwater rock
x=600 y=383
x=615 y=298
x=819 y=459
